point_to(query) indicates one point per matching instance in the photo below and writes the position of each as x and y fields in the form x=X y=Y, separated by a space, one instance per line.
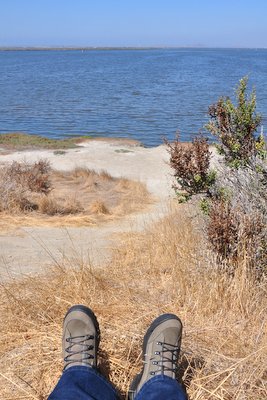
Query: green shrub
x=235 y=126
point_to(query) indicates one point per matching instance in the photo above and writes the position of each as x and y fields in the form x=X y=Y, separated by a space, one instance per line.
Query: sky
x=209 y=23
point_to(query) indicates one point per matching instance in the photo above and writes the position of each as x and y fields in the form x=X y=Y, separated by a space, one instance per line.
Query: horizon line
x=67 y=47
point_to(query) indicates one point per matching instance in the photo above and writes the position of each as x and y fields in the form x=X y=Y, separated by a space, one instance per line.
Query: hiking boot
x=161 y=349
x=81 y=337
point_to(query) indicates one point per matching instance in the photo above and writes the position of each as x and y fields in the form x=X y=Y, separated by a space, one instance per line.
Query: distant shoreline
x=91 y=48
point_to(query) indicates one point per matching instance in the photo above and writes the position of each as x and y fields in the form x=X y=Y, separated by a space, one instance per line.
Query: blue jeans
x=85 y=383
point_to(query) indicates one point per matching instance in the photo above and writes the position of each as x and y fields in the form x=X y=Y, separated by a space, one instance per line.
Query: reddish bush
x=191 y=163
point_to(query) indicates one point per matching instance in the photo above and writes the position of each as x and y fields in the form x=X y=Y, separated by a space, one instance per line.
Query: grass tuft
x=98 y=207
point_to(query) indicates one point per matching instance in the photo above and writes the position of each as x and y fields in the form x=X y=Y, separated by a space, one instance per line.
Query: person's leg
x=80 y=379
x=82 y=383
x=161 y=387
x=161 y=348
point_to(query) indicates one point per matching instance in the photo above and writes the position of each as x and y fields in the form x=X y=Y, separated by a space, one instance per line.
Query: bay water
x=139 y=94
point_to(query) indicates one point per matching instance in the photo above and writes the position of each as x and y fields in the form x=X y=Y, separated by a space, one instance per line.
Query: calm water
x=140 y=94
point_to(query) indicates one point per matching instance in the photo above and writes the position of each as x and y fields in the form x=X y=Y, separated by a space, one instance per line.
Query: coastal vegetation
x=234 y=196
x=191 y=166
x=23 y=141
x=235 y=127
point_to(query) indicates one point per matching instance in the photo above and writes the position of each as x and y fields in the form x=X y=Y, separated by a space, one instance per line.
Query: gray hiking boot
x=81 y=337
x=161 y=349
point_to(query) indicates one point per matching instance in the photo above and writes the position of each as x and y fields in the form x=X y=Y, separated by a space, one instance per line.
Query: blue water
x=139 y=94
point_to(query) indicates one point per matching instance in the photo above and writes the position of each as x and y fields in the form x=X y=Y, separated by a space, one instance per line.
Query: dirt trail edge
x=31 y=249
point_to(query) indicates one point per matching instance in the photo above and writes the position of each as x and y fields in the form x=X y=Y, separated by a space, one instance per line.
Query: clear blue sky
x=227 y=23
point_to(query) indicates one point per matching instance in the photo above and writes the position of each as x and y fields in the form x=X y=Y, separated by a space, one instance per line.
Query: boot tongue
x=166 y=358
x=77 y=346
x=79 y=342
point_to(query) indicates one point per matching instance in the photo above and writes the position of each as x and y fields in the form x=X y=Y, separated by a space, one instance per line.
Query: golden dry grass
x=79 y=197
x=165 y=269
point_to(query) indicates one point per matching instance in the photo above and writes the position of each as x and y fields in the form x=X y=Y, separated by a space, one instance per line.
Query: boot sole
x=158 y=321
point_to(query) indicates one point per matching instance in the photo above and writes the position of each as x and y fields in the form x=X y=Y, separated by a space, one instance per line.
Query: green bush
x=235 y=126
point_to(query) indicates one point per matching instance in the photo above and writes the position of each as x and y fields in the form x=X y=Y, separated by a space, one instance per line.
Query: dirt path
x=30 y=250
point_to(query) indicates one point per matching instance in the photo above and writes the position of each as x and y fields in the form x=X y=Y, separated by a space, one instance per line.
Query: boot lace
x=169 y=356
x=82 y=353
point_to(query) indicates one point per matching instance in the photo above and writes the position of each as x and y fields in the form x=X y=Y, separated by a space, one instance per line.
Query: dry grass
x=163 y=270
x=30 y=195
